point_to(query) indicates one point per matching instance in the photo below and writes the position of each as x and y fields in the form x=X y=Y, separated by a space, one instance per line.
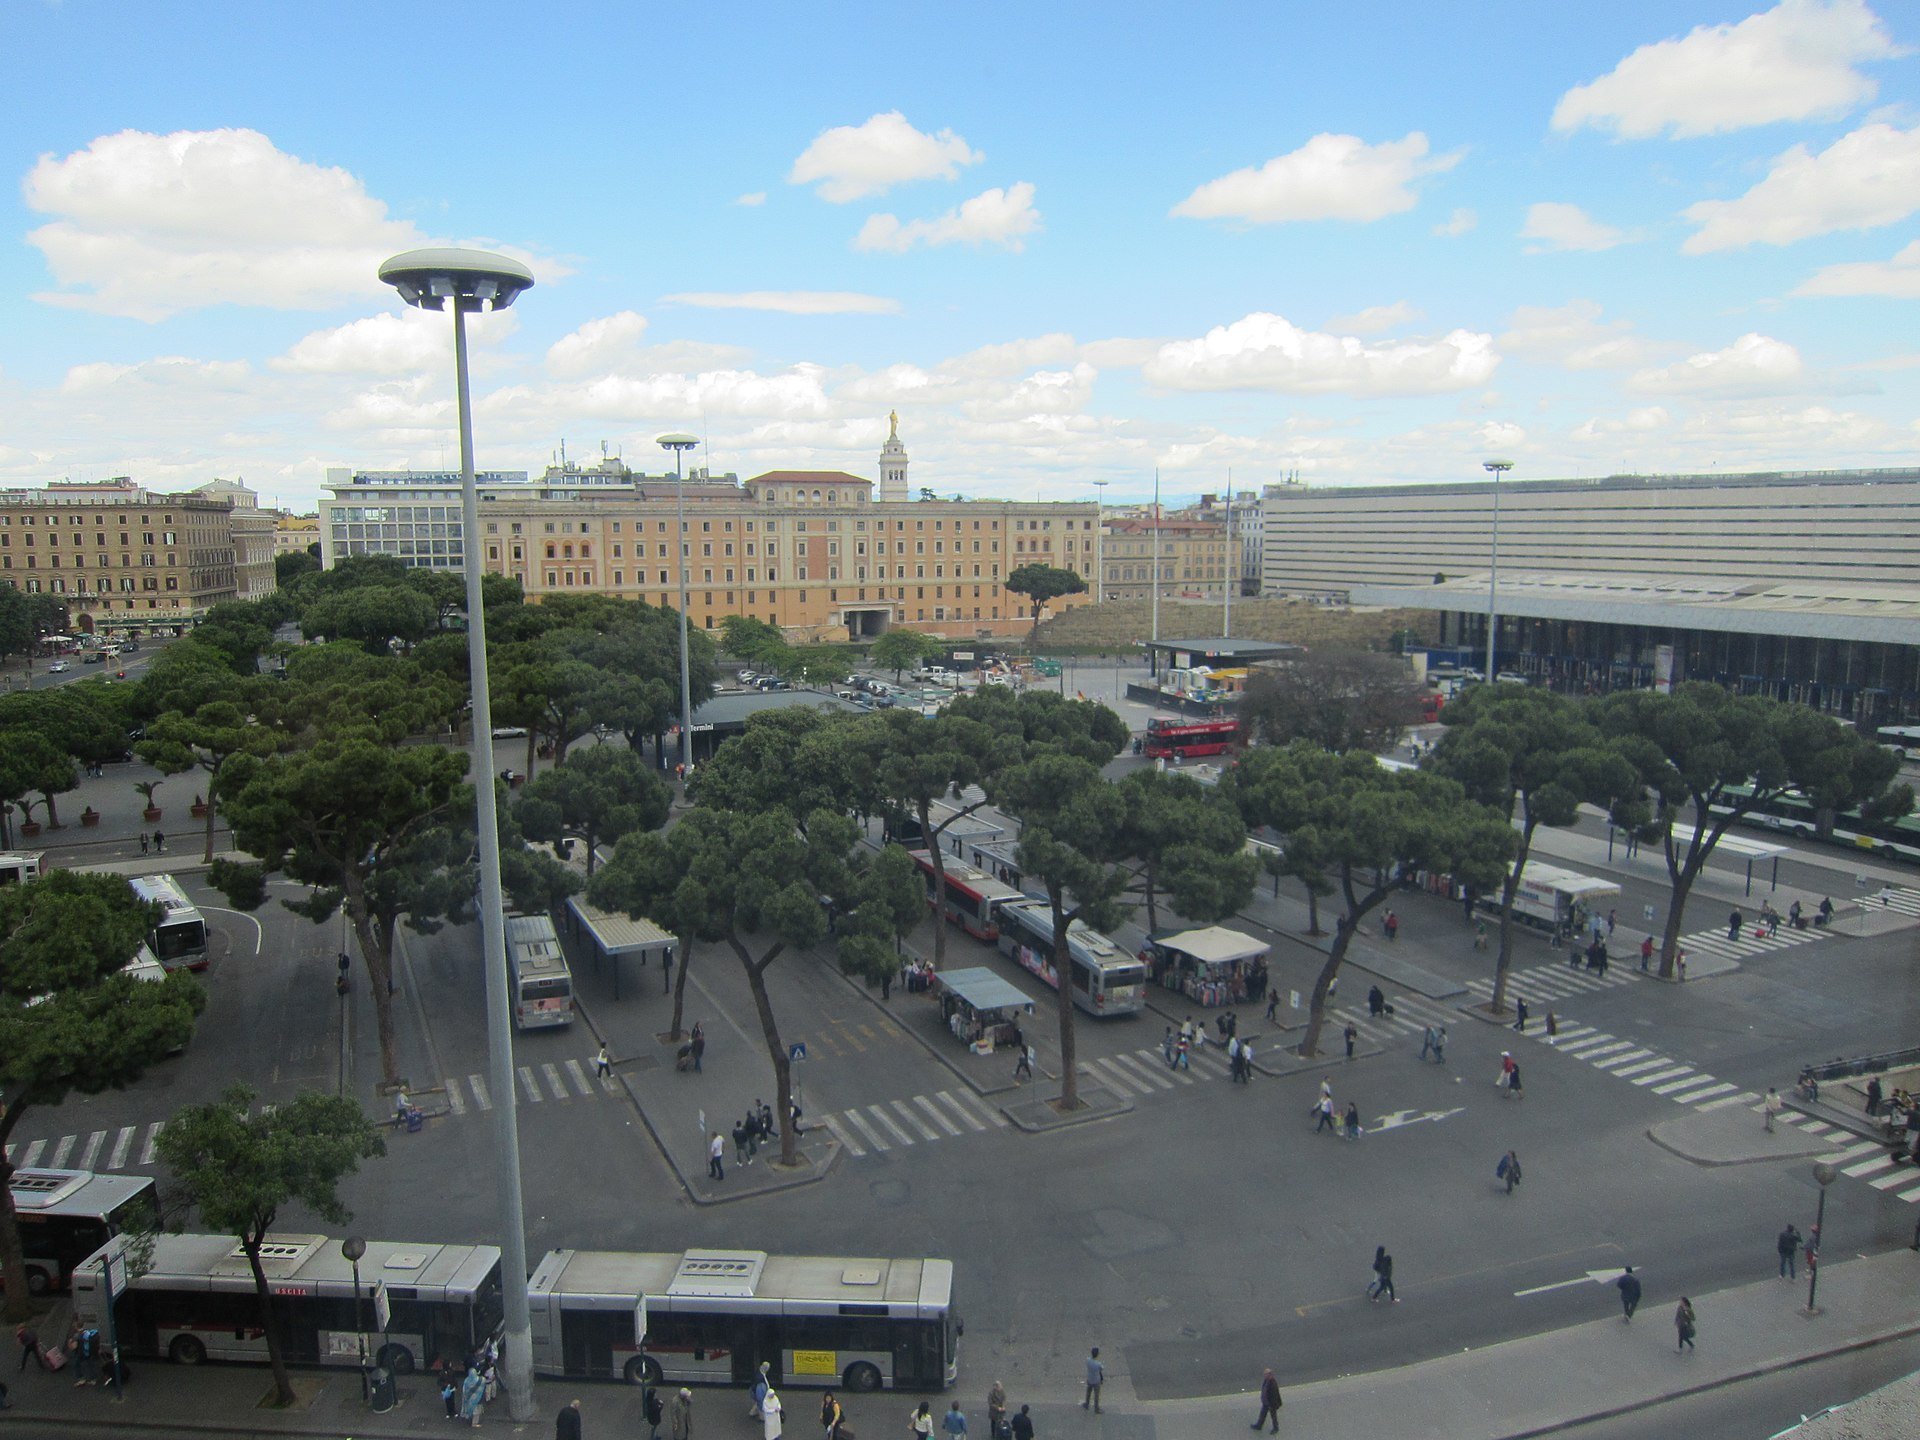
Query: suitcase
x=54 y=1359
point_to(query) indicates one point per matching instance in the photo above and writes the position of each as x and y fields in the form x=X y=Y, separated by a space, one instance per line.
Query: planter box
x=150 y=814
x=89 y=818
x=199 y=812
x=29 y=828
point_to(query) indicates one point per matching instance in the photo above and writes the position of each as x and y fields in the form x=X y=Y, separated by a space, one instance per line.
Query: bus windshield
x=180 y=936
x=66 y=1215
x=542 y=983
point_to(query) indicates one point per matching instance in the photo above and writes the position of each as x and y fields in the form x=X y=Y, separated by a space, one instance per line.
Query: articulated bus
x=66 y=1215
x=180 y=938
x=711 y=1317
x=1793 y=814
x=536 y=966
x=1176 y=739
x=1106 y=980
x=973 y=897
x=195 y=1301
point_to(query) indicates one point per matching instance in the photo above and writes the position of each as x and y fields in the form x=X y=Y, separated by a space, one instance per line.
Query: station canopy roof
x=984 y=990
x=616 y=934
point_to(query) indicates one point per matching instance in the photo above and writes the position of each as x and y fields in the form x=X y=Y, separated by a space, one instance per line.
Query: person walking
x=953 y=1422
x=652 y=1411
x=1553 y=1027
x=1508 y=1170
x=1629 y=1286
x=1351 y=1034
x=1479 y=934
x=772 y=1415
x=699 y=1045
x=1023 y=1067
x=1382 y=1276
x=1324 y=1108
x=1426 y=1042
x=603 y=1063
x=1023 y=1425
x=1772 y=1107
x=1684 y=1324
x=1507 y=1067
x=680 y=1416
x=1646 y=952
x=1733 y=926
x=1874 y=1094
x=1246 y=1062
x=1519 y=1014
x=29 y=1339
x=1353 y=1121
x=1269 y=1402
x=716 y=1151
x=1440 y=1045
x=1392 y=926
x=1096 y=1377
x=1789 y=1247
x=1376 y=1002
x=996 y=1409
x=473 y=1396
x=1233 y=1060
x=159 y=842
x=143 y=842
x=1166 y=1045
x=830 y=1416
x=920 y=1421
x=739 y=1143
x=566 y=1425
x=1180 y=1053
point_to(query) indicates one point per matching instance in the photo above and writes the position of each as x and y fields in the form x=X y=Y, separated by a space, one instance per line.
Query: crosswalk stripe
x=1639 y=1066
x=887 y=1120
x=1694 y=1097
x=1743 y=1098
x=1851 y=1153
x=478 y=1085
x=456 y=1102
x=990 y=1112
x=1654 y=1077
x=554 y=1082
x=1153 y=1075
x=859 y=1123
x=579 y=1079
x=529 y=1084
x=1593 y=1053
x=840 y=1134
x=94 y=1142
x=1106 y=1073
x=966 y=1116
x=33 y=1153
x=1693 y=1078
x=61 y=1151
x=122 y=1143
x=1575 y=1032
x=905 y=1112
x=1587 y=1041
x=934 y=1115
x=151 y=1143
x=1891 y=1179
x=1869 y=1167
x=1624 y=1062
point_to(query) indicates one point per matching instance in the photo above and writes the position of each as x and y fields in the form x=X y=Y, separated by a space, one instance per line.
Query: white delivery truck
x=1554 y=899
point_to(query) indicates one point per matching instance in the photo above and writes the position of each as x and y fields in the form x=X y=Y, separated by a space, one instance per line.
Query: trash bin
x=380 y=1390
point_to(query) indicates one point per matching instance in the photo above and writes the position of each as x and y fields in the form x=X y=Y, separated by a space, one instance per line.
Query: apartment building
x=1196 y=556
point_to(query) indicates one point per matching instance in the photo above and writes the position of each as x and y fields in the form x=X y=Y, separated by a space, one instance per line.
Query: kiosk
x=1210 y=966
x=981 y=1009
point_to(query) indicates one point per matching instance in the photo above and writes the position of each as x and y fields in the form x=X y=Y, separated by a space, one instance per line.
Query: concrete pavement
x=1537 y=1385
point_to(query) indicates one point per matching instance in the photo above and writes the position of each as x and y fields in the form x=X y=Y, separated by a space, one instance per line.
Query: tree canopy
x=901 y=649
x=1337 y=697
x=1043 y=584
x=600 y=794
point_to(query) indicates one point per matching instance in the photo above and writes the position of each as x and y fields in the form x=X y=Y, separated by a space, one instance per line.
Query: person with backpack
x=1508 y=1170
x=652 y=1411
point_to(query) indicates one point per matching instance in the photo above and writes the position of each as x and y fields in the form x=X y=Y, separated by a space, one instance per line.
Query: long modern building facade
x=1801 y=585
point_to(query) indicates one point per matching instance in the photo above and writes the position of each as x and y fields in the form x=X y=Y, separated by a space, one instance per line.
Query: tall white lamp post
x=1099 y=533
x=679 y=444
x=1495 y=468
x=475 y=280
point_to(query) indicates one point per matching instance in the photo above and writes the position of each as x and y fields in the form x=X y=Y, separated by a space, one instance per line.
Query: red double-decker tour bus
x=1177 y=739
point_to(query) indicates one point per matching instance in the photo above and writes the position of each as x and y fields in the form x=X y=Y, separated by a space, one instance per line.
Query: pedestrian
x=85 y=1347
x=739 y=1143
x=566 y=1425
x=1233 y=1061
x=473 y=1396
x=1392 y=926
x=766 y=1120
x=1683 y=1324
x=1426 y=1042
x=1166 y=1045
x=1513 y=1083
x=680 y=1416
x=1023 y=1425
x=699 y=1045
x=830 y=1416
x=1680 y=965
x=603 y=1062
x=143 y=842
x=29 y=1340
x=1351 y=1034
x=1326 y=1087
x=1507 y=1067
x=1353 y=1121
x=1646 y=951
x=159 y=842
x=1273 y=1005
x=1096 y=1377
x=1733 y=926
x=953 y=1422
x=996 y=1409
x=1611 y=916
x=1553 y=1027
x=1246 y=1062
x=1180 y=1049
x=1629 y=1285
x=652 y=1411
x=449 y=1391
x=1023 y=1067
x=772 y=1415
x=1382 y=1275
x=1325 y=1110
x=1269 y=1402
x=1789 y=1247
x=1440 y=1045
x=1376 y=1002
x=1873 y=1095
x=920 y=1421
x=1479 y=934
x=1772 y=1107
x=1519 y=1014
x=756 y=1397
x=716 y=1151
x=1508 y=1170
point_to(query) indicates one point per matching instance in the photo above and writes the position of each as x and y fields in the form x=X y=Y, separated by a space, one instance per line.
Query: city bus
x=711 y=1317
x=1176 y=739
x=66 y=1215
x=420 y=1303
x=537 y=968
x=1106 y=980
x=19 y=866
x=1793 y=814
x=973 y=897
x=1903 y=740
x=180 y=937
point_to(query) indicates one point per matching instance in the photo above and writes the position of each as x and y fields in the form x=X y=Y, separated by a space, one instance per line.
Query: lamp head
x=477 y=280
x=1825 y=1173
x=1496 y=467
x=678 y=440
x=353 y=1247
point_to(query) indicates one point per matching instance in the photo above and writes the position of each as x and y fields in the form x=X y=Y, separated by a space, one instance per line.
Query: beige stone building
x=1197 y=559
x=119 y=556
x=293 y=534
x=253 y=538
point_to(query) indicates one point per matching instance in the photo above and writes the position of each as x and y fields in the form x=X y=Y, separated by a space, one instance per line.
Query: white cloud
x=1120 y=352
x=1265 y=352
x=798 y=392
x=1896 y=279
x=1637 y=423
x=1502 y=435
x=1459 y=223
x=162 y=373
x=1573 y=336
x=1863 y=180
x=1331 y=177
x=1045 y=392
x=1753 y=364
x=1558 y=226
x=993 y=217
x=398 y=344
x=1014 y=357
x=850 y=162
x=1794 y=62
x=602 y=344
x=752 y=198
x=789 y=302
x=1375 y=319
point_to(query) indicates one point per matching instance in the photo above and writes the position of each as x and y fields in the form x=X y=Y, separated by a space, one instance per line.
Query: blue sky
x=1066 y=243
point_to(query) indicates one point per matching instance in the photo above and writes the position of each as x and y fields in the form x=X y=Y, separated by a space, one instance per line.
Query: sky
x=1067 y=243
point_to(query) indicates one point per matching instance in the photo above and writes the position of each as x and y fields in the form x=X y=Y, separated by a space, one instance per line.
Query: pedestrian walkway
x=123 y=1147
x=548 y=1083
x=1552 y=981
x=873 y=1130
x=1749 y=942
x=1896 y=897
x=1410 y=1016
x=1649 y=1070
x=1868 y=1160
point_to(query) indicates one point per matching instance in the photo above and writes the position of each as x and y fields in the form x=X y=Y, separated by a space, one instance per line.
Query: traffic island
x=1039 y=1110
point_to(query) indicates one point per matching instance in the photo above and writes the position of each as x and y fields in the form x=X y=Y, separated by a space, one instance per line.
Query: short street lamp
x=679 y=444
x=475 y=281
x=1825 y=1174
x=1495 y=468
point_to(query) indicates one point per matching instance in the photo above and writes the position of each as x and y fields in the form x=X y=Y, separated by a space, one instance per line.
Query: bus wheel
x=643 y=1370
x=185 y=1350
x=39 y=1282
x=862 y=1378
x=397 y=1358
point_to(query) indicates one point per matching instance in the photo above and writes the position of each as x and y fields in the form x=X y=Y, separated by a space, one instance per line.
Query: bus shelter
x=981 y=1009
x=615 y=936
x=1210 y=966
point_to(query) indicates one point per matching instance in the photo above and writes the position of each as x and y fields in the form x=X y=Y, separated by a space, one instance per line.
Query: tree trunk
x=1345 y=927
x=209 y=852
x=685 y=947
x=1153 y=912
x=1508 y=889
x=376 y=948
x=282 y=1386
x=1313 y=912
x=13 y=1259
x=533 y=740
x=1681 y=873
x=776 y=1050
x=589 y=839
x=53 y=815
x=932 y=842
x=1063 y=1003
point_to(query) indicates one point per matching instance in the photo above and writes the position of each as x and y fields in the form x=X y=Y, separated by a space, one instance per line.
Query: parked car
x=747 y=677
x=58 y=667
x=509 y=732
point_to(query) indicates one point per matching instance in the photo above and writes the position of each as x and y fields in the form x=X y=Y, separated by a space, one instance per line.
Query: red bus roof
x=967 y=879
x=1161 y=725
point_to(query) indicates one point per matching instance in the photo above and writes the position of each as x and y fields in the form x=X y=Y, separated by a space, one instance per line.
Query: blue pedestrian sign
x=797 y=1051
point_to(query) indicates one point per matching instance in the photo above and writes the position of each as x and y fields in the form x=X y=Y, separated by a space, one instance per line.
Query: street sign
x=1646 y=912
x=797 y=1051
x=1860 y=882
x=1293 y=999
x=116 y=1268
x=382 y=1306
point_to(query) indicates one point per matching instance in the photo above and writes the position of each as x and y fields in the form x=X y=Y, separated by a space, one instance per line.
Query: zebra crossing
x=1895 y=897
x=1749 y=942
x=113 y=1148
x=1550 y=982
x=549 y=1083
x=918 y=1120
x=1646 y=1069
x=1868 y=1160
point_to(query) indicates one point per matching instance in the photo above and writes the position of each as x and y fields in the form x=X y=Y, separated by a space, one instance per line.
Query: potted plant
x=29 y=826
x=199 y=807
x=146 y=789
x=89 y=816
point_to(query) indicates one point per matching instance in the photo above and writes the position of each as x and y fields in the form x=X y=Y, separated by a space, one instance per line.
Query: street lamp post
x=1495 y=468
x=679 y=444
x=353 y=1247
x=1099 y=533
x=476 y=281
x=1825 y=1174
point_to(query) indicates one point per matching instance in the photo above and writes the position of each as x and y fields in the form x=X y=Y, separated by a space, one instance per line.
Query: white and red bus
x=974 y=898
x=1177 y=739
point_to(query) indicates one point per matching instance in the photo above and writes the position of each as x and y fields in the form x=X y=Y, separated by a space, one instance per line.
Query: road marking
x=1869 y=1167
x=1673 y=1085
x=1654 y=1077
x=844 y=1138
x=1745 y=1097
x=529 y=1084
x=1397 y=1118
x=1100 y=1072
x=1640 y=1067
x=579 y=1078
x=1592 y=1277
x=1575 y=1032
x=927 y=1132
x=121 y=1145
x=1696 y=1096
x=554 y=1082
x=1595 y=1054
x=1595 y=1041
x=1842 y=1157
x=860 y=1124
x=887 y=1120
x=974 y=1103
x=94 y=1142
x=33 y=1153
x=61 y=1151
x=151 y=1143
x=935 y=1114
x=1891 y=1179
x=456 y=1102
x=1150 y=1065
x=479 y=1088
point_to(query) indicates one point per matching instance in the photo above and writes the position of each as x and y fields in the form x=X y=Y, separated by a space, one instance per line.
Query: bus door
x=757 y=1338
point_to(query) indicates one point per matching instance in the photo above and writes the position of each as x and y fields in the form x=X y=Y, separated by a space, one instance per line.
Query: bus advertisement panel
x=1106 y=981
x=712 y=1317
x=537 y=970
x=973 y=897
x=66 y=1215
x=1177 y=739
x=180 y=937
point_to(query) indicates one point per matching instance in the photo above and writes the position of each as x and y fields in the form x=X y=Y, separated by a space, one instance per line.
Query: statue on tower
x=893 y=425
